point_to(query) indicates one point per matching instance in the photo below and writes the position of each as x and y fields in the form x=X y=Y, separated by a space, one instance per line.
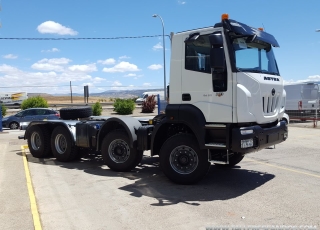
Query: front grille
x=269 y=104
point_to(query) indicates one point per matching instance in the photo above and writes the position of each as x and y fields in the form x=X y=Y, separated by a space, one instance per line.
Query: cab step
x=216 y=145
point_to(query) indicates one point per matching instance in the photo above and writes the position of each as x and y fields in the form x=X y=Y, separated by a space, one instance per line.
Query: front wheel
x=117 y=153
x=182 y=161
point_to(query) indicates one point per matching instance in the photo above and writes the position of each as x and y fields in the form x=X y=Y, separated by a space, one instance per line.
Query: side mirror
x=217 y=59
x=216 y=39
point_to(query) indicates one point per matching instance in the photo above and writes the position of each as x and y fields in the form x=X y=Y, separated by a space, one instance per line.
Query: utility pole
x=71 y=92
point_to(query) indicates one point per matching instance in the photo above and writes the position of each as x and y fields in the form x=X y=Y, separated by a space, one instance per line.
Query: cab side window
x=197 y=55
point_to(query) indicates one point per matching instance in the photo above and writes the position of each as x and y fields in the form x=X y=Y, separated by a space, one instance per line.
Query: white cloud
x=51 y=27
x=121 y=68
x=7 y=69
x=54 y=64
x=130 y=75
x=109 y=61
x=314 y=77
x=155 y=67
x=157 y=46
x=10 y=56
x=146 y=84
x=308 y=79
x=83 y=68
x=181 y=2
x=56 y=61
x=98 y=79
x=116 y=83
x=124 y=57
x=53 y=50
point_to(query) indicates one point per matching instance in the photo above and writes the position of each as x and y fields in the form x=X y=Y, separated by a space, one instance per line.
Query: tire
x=233 y=160
x=39 y=142
x=117 y=153
x=14 y=125
x=62 y=145
x=75 y=112
x=182 y=161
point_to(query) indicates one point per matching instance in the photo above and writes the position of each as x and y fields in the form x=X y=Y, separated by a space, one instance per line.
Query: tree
x=34 y=102
x=97 y=109
x=3 y=110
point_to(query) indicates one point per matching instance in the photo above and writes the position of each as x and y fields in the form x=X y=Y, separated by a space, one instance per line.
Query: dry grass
x=76 y=99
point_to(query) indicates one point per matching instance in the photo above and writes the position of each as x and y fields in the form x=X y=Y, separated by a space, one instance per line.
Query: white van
x=299 y=98
x=13 y=98
x=143 y=97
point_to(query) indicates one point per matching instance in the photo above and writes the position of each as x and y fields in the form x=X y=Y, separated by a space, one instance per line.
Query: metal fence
x=308 y=116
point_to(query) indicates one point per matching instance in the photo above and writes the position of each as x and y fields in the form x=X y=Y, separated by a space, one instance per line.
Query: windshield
x=254 y=56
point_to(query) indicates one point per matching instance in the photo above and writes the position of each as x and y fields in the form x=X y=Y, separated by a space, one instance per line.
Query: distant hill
x=107 y=94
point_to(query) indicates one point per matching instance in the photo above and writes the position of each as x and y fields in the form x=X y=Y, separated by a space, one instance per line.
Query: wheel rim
x=183 y=159
x=60 y=143
x=119 y=151
x=35 y=141
x=14 y=125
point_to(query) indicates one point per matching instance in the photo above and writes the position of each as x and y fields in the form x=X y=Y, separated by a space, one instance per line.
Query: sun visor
x=240 y=28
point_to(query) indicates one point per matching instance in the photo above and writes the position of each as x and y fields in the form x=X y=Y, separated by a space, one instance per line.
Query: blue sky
x=136 y=63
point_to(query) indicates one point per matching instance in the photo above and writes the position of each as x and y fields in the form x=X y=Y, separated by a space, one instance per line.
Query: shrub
x=97 y=109
x=123 y=106
x=149 y=104
x=3 y=110
x=34 y=102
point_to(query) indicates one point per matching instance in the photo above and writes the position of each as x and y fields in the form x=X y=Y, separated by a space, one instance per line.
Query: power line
x=53 y=86
x=108 y=38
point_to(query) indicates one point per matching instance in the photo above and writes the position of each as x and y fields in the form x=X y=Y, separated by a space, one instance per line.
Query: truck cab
x=229 y=72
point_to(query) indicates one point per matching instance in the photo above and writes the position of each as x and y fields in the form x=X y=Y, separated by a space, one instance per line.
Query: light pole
x=164 y=56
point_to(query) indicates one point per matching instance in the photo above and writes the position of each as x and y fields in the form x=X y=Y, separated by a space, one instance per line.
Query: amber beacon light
x=224 y=17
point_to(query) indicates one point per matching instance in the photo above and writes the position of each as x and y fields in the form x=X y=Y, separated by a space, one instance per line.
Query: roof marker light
x=224 y=17
x=261 y=29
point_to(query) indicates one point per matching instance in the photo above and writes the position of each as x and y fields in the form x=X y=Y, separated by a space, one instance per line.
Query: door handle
x=186 y=97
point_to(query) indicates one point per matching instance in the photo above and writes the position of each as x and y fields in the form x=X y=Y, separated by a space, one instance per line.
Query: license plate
x=246 y=143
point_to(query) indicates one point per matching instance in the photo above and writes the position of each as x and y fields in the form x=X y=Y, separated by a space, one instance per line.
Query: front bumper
x=262 y=137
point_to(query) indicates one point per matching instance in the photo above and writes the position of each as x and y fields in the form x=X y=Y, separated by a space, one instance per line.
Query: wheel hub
x=35 y=141
x=61 y=144
x=183 y=159
x=119 y=151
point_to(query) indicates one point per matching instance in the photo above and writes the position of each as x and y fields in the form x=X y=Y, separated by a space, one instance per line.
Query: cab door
x=207 y=88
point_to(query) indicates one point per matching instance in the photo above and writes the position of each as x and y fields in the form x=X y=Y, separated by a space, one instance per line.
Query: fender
x=188 y=115
x=51 y=124
x=129 y=124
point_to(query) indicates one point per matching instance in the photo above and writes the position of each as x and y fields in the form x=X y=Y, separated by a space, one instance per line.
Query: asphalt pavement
x=273 y=187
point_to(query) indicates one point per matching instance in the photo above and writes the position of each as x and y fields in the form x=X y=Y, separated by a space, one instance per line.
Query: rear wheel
x=117 y=153
x=182 y=161
x=62 y=145
x=39 y=141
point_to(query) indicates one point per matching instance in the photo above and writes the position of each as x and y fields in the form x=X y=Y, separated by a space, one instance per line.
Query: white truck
x=226 y=100
x=144 y=96
x=302 y=100
x=13 y=98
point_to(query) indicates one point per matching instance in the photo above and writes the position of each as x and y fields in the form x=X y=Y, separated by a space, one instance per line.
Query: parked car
x=28 y=115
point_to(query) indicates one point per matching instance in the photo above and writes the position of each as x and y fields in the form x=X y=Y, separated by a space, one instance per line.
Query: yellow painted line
x=33 y=202
x=288 y=169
